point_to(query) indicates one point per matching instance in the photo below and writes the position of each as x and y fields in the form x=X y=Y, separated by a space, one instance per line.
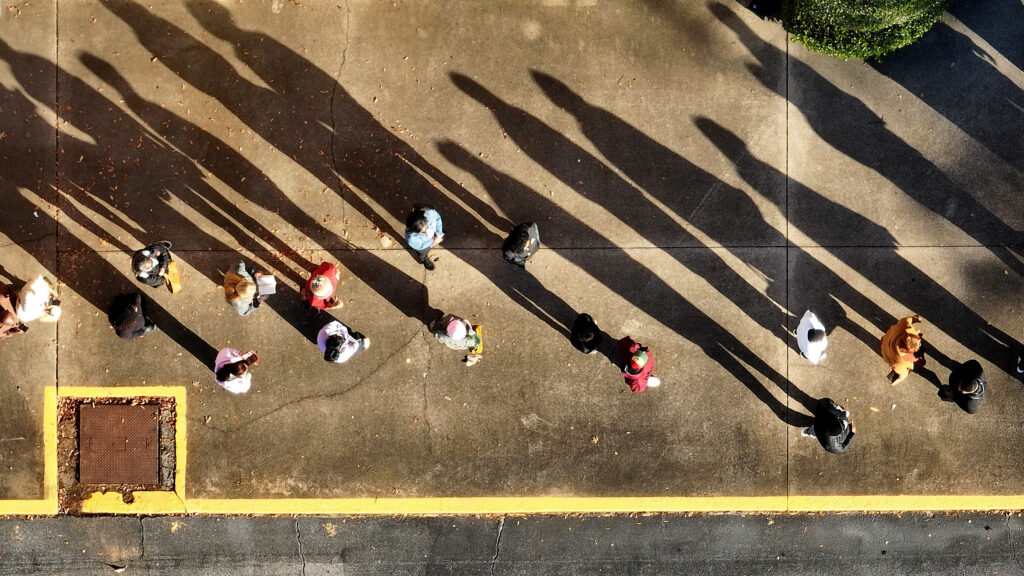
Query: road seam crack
x=497 y=543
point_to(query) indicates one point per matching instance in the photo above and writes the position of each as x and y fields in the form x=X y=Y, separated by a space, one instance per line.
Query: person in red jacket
x=637 y=364
x=319 y=289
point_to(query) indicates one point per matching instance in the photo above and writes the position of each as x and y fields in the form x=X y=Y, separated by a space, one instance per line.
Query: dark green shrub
x=859 y=28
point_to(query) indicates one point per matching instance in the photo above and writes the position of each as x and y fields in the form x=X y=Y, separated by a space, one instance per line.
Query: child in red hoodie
x=637 y=364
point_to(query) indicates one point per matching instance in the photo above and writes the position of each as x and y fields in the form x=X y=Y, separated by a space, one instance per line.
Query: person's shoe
x=148 y=328
x=366 y=343
x=806 y=433
x=1020 y=364
x=653 y=382
x=428 y=264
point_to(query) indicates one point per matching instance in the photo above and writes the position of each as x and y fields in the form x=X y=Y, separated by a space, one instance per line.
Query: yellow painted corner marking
x=47 y=506
x=153 y=502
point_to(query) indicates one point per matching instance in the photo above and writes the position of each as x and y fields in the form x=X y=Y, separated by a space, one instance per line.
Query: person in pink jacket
x=637 y=364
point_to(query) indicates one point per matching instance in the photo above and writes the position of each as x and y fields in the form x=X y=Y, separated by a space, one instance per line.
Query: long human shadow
x=521 y=202
x=90 y=276
x=998 y=22
x=129 y=162
x=725 y=213
x=591 y=179
x=851 y=127
x=957 y=79
x=365 y=154
x=890 y=271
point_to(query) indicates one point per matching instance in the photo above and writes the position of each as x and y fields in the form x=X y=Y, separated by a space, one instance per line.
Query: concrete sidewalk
x=699 y=182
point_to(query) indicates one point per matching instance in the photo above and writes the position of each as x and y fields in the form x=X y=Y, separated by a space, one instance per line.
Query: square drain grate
x=119 y=444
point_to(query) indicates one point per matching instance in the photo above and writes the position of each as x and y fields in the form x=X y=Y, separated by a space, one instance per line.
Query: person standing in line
x=38 y=300
x=637 y=364
x=231 y=370
x=521 y=244
x=810 y=338
x=584 y=335
x=321 y=286
x=10 y=325
x=899 y=348
x=339 y=343
x=832 y=427
x=458 y=334
x=151 y=264
x=240 y=289
x=966 y=386
x=127 y=317
x=423 y=231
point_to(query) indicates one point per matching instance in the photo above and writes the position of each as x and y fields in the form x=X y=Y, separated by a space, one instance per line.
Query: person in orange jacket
x=899 y=348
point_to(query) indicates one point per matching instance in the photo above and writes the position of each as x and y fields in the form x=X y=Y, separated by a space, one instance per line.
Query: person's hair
x=122 y=312
x=829 y=427
x=968 y=386
x=815 y=335
x=332 y=349
x=246 y=289
x=911 y=343
x=416 y=221
x=519 y=238
x=233 y=369
x=141 y=262
x=587 y=334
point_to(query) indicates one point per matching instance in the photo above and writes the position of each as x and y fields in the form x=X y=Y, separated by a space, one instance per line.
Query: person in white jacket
x=810 y=337
x=339 y=343
x=231 y=370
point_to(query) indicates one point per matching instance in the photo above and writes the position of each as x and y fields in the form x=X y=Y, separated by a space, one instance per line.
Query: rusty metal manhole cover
x=119 y=444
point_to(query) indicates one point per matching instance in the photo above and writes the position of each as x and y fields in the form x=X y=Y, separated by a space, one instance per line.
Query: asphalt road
x=659 y=544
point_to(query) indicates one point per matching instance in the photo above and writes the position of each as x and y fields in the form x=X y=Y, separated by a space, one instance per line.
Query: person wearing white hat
x=810 y=338
x=37 y=300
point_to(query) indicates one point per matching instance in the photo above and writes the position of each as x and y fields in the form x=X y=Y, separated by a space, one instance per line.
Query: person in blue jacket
x=423 y=230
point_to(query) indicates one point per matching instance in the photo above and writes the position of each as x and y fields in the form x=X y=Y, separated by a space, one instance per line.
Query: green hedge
x=859 y=28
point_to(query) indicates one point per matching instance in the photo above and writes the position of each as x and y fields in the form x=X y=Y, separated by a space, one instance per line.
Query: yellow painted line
x=48 y=505
x=162 y=502
x=905 y=503
x=485 y=505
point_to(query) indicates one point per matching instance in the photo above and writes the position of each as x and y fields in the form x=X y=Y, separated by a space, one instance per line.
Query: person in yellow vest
x=900 y=347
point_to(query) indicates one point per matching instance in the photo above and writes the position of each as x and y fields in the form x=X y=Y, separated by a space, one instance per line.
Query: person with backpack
x=832 y=427
x=423 y=231
x=522 y=243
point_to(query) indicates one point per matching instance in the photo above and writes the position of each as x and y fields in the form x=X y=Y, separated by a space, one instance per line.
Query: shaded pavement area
x=699 y=183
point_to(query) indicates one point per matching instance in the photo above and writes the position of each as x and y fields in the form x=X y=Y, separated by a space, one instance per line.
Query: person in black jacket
x=832 y=427
x=966 y=386
x=150 y=264
x=521 y=244
x=585 y=336
x=127 y=317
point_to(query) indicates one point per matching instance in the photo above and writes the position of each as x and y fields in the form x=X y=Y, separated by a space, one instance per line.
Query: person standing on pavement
x=240 y=289
x=899 y=348
x=231 y=370
x=150 y=264
x=457 y=334
x=10 y=325
x=127 y=317
x=521 y=244
x=966 y=387
x=339 y=343
x=423 y=231
x=584 y=335
x=38 y=300
x=832 y=427
x=810 y=338
x=321 y=286
x=637 y=365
